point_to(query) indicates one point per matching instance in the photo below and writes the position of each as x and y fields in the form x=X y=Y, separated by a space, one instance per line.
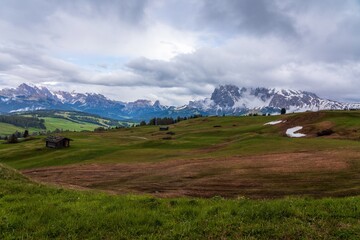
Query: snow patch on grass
x=291 y=132
x=273 y=122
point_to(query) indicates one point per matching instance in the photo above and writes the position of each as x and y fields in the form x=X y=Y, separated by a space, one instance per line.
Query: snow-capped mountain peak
x=226 y=95
x=230 y=99
x=226 y=99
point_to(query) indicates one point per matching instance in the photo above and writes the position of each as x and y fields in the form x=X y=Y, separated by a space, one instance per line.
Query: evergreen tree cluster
x=168 y=120
x=24 y=122
x=13 y=138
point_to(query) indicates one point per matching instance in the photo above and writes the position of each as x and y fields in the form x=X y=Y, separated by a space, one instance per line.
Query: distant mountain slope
x=30 y=98
x=230 y=99
x=226 y=99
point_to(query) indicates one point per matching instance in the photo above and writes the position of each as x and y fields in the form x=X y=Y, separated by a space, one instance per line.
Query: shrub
x=99 y=129
x=26 y=134
x=12 y=139
x=325 y=132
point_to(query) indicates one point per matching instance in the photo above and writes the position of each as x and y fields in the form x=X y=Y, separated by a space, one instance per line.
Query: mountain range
x=226 y=99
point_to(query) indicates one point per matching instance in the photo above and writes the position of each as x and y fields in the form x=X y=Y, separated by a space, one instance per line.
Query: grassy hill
x=235 y=157
x=53 y=123
x=33 y=211
x=226 y=156
x=63 y=120
x=7 y=129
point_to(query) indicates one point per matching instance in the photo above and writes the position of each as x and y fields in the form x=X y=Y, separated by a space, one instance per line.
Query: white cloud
x=176 y=51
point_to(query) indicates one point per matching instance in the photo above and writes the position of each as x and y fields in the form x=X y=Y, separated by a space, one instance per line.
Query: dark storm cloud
x=158 y=72
x=185 y=71
x=33 y=13
x=180 y=71
x=25 y=13
x=246 y=16
x=296 y=44
x=131 y=11
x=329 y=30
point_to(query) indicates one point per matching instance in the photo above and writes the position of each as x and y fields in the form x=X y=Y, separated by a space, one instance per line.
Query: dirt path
x=265 y=176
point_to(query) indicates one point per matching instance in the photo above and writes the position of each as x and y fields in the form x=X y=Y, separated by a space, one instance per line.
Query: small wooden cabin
x=164 y=128
x=57 y=142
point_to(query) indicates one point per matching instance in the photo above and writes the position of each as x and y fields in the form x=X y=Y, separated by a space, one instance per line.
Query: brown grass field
x=264 y=176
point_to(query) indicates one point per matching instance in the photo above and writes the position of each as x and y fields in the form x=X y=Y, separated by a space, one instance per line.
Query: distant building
x=163 y=128
x=57 y=142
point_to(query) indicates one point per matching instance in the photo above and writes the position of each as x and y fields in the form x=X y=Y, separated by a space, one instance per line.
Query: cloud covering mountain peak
x=225 y=99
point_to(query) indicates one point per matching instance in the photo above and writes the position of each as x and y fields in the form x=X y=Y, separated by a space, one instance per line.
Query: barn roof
x=56 y=139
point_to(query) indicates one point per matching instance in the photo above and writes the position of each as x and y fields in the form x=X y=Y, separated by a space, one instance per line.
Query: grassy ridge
x=195 y=139
x=32 y=211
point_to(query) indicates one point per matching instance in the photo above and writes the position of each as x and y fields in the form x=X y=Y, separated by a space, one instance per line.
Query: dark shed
x=57 y=142
x=163 y=128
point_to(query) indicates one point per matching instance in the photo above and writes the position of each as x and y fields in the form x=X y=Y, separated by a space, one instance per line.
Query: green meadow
x=65 y=124
x=62 y=120
x=196 y=139
x=29 y=210
x=204 y=178
x=7 y=129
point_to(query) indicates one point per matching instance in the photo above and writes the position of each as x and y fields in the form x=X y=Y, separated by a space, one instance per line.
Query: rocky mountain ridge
x=230 y=99
x=226 y=99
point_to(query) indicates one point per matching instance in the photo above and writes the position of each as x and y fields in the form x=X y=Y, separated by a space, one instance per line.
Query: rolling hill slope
x=62 y=120
x=227 y=156
x=234 y=157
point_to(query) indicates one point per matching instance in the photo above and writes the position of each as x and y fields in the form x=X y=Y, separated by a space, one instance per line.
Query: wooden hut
x=163 y=128
x=57 y=142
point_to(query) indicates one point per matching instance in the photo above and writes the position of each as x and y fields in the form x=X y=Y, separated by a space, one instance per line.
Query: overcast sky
x=176 y=51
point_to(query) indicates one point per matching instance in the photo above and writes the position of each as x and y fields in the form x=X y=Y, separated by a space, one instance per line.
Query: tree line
x=13 y=138
x=24 y=122
x=167 y=120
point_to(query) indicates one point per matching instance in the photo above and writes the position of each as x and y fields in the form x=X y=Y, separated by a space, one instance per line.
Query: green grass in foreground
x=32 y=211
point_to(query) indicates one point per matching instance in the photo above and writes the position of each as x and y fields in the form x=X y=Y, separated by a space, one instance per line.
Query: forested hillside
x=24 y=122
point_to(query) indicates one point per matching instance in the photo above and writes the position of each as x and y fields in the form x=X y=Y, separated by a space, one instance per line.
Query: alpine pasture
x=210 y=177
